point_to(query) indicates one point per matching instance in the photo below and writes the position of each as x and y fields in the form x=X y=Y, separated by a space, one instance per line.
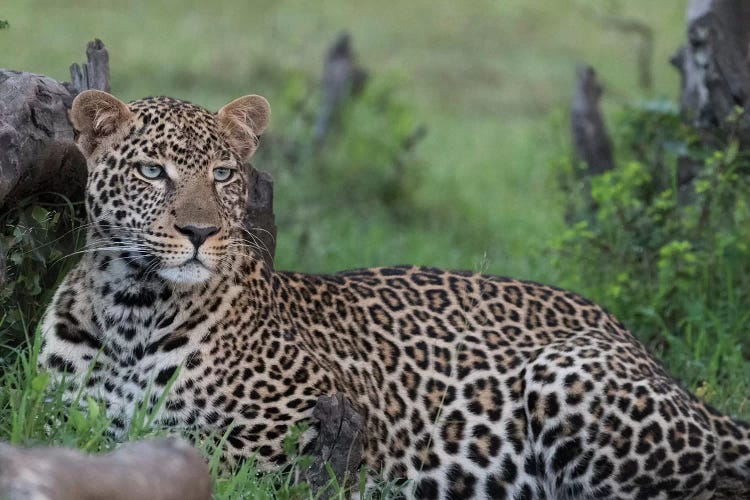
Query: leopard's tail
x=732 y=445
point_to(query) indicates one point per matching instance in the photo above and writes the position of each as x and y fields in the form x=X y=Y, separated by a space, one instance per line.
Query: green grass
x=33 y=413
x=490 y=79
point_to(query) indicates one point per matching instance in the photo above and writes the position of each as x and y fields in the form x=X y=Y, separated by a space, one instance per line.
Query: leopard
x=470 y=385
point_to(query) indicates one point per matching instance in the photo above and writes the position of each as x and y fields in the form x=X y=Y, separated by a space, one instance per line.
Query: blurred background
x=489 y=81
x=454 y=151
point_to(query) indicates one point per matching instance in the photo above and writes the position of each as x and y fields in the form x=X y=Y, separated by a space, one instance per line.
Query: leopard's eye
x=223 y=174
x=150 y=171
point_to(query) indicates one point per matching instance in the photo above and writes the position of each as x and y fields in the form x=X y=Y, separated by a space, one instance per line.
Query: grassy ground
x=489 y=79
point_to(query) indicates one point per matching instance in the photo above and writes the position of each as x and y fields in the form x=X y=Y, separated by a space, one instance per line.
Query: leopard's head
x=166 y=186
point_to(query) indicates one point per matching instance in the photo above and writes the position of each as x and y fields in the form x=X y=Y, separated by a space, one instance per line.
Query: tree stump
x=591 y=143
x=341 y=78
x=714 y=65
x=94 y=73
x=338 y=445
x=259 y=220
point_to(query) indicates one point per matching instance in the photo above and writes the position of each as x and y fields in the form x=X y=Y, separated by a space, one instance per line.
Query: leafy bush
x=662 y=240
x=39 y=242
x=367 y=156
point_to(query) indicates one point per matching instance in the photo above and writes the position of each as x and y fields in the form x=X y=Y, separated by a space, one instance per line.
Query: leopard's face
x=166 y=185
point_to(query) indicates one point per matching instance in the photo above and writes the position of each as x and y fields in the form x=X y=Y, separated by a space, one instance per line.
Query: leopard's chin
x=190 y=273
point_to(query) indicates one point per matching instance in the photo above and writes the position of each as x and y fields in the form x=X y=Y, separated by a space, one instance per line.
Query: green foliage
x=663 y=241
x=32 y=412
x=366 y=158
x=36 y=241
x=362 y=178
x=4 y=24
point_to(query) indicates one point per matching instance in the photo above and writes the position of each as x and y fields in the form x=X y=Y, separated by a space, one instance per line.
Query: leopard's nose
x=197 y=234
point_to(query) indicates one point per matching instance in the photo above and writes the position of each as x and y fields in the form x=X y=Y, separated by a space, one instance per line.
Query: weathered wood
x=714 y=65
x=259 y=217
x=591 y=142
x=730 y=488
x=338 y=444
x=94 y=73
x=37 y=152
x=160 y=470
x=341 y=78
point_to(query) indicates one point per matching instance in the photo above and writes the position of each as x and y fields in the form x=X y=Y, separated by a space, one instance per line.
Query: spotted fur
x=471 y=385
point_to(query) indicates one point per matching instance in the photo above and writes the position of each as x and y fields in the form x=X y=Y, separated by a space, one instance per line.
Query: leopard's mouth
x=191 y=272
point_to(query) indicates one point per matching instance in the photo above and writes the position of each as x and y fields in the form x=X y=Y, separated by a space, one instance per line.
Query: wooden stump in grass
x=715 y=67
x=337 y=451
x=591 y=143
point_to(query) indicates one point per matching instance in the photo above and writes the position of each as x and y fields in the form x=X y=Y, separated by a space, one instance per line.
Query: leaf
x=40 y=382
x=731 y=153
x=41 y=215
x=76 y=418
x=93 y=407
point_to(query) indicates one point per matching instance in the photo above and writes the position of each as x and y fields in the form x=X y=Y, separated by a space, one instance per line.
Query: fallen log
x=37 y=152
x=171 y=469
x=160 y=470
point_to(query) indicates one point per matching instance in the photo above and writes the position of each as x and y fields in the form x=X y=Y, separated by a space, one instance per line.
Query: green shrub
x=662 y=240
x=357 y=185
x=40 y=244
x=366 y=158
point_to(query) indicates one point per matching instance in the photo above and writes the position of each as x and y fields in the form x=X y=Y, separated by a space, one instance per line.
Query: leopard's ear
x=96 y=115
x=242 y=121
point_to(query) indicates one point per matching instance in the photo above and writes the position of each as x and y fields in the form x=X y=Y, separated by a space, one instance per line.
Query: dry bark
x=591 y=142
x=37 y=153
x=160 y=470
x=259 y=217
x=338 y=445
x=341 y=78
x=730 y=488
x=94 y=73
x=714 y=65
